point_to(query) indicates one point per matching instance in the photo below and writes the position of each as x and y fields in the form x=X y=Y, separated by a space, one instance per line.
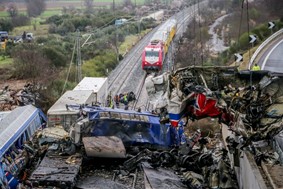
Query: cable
x=248 y=24
x=241 y=21
x=200 y=36
x=194 y=28
x=69 y=68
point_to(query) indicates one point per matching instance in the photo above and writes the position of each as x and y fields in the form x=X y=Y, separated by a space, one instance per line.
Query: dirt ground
x=13 y=84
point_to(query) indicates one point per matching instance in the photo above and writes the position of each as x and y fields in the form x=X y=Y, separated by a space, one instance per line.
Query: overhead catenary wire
x=99 y=30
x=194 y=28
x=241 y=19
x=248 y=25
x=248 y=28
x=69 y=70
x=200 y=36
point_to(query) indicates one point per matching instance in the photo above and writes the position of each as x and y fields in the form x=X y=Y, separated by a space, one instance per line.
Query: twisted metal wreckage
x=130 y=143
x=248 y=103
x=10 y=99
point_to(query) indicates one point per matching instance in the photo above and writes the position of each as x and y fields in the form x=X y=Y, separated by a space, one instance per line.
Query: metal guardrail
x=268 y=40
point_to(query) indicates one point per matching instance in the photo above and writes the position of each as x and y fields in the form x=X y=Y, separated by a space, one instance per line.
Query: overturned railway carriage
x=16 y=128
x=133 y=128
x=155 y=52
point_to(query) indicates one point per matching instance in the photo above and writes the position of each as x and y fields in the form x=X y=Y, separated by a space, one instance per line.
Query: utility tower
x=78 y=62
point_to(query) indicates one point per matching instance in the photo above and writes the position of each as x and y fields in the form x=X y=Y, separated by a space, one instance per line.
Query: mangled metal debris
x=59 y=161
x=248 y=103
x=10 y=99
x=129 y=149
x=103 y=146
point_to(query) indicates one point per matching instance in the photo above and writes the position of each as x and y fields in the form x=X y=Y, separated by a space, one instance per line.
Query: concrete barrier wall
x=248 y=174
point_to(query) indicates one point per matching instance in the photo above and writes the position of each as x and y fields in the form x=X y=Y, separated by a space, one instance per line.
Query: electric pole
x=79 y=63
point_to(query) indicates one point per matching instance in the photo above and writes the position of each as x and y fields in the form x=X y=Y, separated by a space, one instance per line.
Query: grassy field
x=4 y=61
x=40 y=30
x=55 y=7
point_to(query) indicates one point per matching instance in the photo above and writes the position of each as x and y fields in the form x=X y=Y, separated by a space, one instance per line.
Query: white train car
x=61 y=114
x=96 y=84
x=89 y=91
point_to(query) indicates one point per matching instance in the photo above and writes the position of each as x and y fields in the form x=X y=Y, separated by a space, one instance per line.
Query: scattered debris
x=10 y=99
x=133 y=149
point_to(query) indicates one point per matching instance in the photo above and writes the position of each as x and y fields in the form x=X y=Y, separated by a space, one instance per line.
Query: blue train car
x=16 y=128
x=134 y=128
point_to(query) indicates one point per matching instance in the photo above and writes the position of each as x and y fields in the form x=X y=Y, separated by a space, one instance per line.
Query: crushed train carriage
x=247 y=104
x=17 y=128
x=102 y=133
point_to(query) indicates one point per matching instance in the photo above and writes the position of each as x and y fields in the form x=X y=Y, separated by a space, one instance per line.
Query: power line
x=200 y=36
x=241 y=21
x=248 y=25
x=79 y=63
x=69 y=70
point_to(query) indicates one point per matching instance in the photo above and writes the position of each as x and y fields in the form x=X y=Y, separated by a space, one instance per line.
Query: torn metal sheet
x=104 y=146
x=161 y=178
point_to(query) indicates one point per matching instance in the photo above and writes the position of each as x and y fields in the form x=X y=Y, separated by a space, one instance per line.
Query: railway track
x=128 y=75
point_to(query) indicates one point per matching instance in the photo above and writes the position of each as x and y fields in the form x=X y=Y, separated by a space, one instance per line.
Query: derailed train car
x=16 y=130
x=132 y=127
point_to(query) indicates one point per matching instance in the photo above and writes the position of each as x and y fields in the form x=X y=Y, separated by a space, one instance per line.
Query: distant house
x=120 y=22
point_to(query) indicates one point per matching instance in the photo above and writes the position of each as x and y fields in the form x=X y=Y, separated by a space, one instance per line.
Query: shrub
x=20 y=20
x=54 y=54
x=6 y=25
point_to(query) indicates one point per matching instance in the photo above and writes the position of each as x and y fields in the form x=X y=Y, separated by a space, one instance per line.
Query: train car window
x=126 y=116
x=104 y=115
x=135 y=117
x=115 y=115
x=144 y=118
x=151 y=53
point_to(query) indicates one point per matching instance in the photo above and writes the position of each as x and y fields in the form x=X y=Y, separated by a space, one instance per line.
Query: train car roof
x=116 y=110
x=4 y=114
x=14 y=124
x=162 y=33
x=77 y=97
x=91 y=83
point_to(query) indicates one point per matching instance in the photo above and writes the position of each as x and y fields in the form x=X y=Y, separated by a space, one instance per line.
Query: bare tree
x=275 y=7
x=35 y=7
x=89 y=6
x=127 y=3
x=12 y=10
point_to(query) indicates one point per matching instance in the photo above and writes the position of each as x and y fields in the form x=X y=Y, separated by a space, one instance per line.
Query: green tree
x=6 y=24
x=56 y=56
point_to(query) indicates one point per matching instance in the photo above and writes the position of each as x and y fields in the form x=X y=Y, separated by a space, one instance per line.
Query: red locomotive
x=155 y=52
